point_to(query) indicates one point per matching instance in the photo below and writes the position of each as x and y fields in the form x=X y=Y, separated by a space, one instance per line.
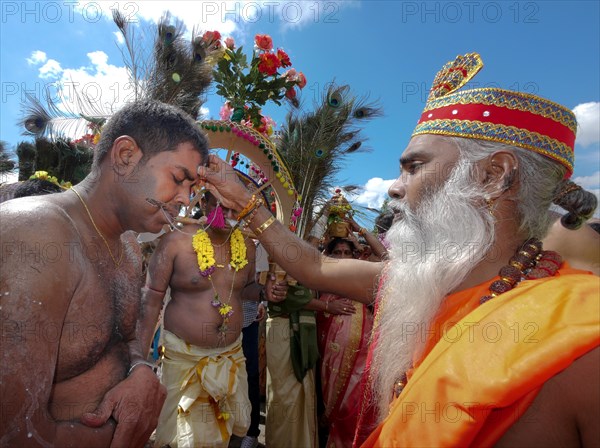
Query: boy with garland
x=209 y=269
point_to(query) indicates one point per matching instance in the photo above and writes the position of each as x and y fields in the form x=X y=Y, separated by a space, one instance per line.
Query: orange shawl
x=483 y=365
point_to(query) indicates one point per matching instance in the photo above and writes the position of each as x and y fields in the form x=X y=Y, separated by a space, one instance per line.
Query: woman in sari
x=343 y=344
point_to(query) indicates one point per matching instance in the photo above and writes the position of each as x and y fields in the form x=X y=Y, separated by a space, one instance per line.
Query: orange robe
x=483 y=365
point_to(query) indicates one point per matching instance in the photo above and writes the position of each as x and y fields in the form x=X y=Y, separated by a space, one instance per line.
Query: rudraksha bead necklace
x=529 y=263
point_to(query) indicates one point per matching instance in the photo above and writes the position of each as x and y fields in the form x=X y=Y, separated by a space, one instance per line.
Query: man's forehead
x=429 y=146
x=187 y=159
x=341 y=244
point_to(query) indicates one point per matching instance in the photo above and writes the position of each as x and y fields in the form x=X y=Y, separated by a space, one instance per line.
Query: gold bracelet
x=362 y=231
x=264 y=226
x=250 y=216
x=247 y=209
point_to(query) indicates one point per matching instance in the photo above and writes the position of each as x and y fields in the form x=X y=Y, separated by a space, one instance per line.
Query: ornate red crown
x=515 y=118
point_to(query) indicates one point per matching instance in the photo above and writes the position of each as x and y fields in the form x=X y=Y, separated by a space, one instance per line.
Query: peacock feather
x=175 y=70
x=315 y=145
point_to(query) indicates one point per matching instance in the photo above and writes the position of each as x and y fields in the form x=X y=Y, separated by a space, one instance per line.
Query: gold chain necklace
x=117 y=263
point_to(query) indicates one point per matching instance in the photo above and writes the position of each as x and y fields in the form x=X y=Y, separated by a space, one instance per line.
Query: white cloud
x=588 y=123
x=104 y=85
x=225 y=16
x=375 y=192
x=50 y=69
x=592 y=184
x=119 y=36
x=586 y=182
x=204 y=113
x=37 y=57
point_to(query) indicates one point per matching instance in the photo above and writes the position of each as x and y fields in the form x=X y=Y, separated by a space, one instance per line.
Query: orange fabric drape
x=484 y=364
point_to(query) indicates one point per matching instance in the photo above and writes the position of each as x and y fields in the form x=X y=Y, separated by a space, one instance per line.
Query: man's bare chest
x=102 y=313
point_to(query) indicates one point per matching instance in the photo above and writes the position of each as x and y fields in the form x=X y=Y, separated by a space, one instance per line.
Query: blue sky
x=387 y=50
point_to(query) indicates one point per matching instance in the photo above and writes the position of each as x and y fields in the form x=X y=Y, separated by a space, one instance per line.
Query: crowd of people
x=469 y=320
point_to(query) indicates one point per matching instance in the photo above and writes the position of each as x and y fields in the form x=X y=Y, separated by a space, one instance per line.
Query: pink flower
x=291 y=75
x=226 y=111
x=268 y=64
x=230 y=43
x=283 y=58
x=301 y=80
x=266 y=125
x=263 y=42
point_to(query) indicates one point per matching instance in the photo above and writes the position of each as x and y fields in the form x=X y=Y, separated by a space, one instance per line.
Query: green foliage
x=61 y=158
x=6 y=163
x=247 y=87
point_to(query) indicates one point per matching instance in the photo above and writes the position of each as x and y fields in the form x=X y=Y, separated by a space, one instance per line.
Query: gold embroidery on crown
x=455 y=74
x=509 y=100
x=523 y=138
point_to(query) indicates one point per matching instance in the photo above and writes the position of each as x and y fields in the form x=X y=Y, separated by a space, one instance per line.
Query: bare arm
x=579 y=247
x=339 y=306
x=35 y=296
x=376 y=245
x=158 y=278
x=355 y=279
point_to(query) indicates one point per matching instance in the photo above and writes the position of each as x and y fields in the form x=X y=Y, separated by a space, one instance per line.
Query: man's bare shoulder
x=178 y=237
x=36 y=221
x=39 y=239
x=171 y=243
x=566 y=411
x=580 y=383
x=39 y=214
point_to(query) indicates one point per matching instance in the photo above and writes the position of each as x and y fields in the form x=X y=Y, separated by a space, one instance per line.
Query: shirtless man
x=471 y=204
x=72 y=371
x=202 y=335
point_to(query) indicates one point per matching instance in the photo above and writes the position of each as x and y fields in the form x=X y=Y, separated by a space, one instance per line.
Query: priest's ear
x=125 y=155
x=499 y=173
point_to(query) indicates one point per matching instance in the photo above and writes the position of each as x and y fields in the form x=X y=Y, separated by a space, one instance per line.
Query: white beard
x=432 y=250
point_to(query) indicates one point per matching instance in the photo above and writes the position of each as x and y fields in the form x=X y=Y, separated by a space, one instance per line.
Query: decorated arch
x=261 y=162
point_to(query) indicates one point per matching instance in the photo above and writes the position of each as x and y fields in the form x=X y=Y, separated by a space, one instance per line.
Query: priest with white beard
x=481 y=336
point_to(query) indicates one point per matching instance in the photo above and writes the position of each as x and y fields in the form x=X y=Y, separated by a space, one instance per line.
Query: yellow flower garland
x=206 y=252
x=238 y=251
x=207 y=264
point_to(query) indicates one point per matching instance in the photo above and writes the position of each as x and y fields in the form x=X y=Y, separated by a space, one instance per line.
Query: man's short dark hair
x=36 y=187
x=155 y=126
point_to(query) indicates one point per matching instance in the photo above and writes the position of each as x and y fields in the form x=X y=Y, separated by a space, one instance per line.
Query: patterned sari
x=343 y=344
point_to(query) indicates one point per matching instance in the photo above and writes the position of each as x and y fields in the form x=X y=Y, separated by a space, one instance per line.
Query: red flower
x=263 y=42
x=211 y=36
x=301 y=80
x=290 y=93
x=268 y=64
x=283 y=58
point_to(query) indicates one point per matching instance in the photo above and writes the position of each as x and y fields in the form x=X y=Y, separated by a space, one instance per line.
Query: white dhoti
x=291 y=413
x=207 y=395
